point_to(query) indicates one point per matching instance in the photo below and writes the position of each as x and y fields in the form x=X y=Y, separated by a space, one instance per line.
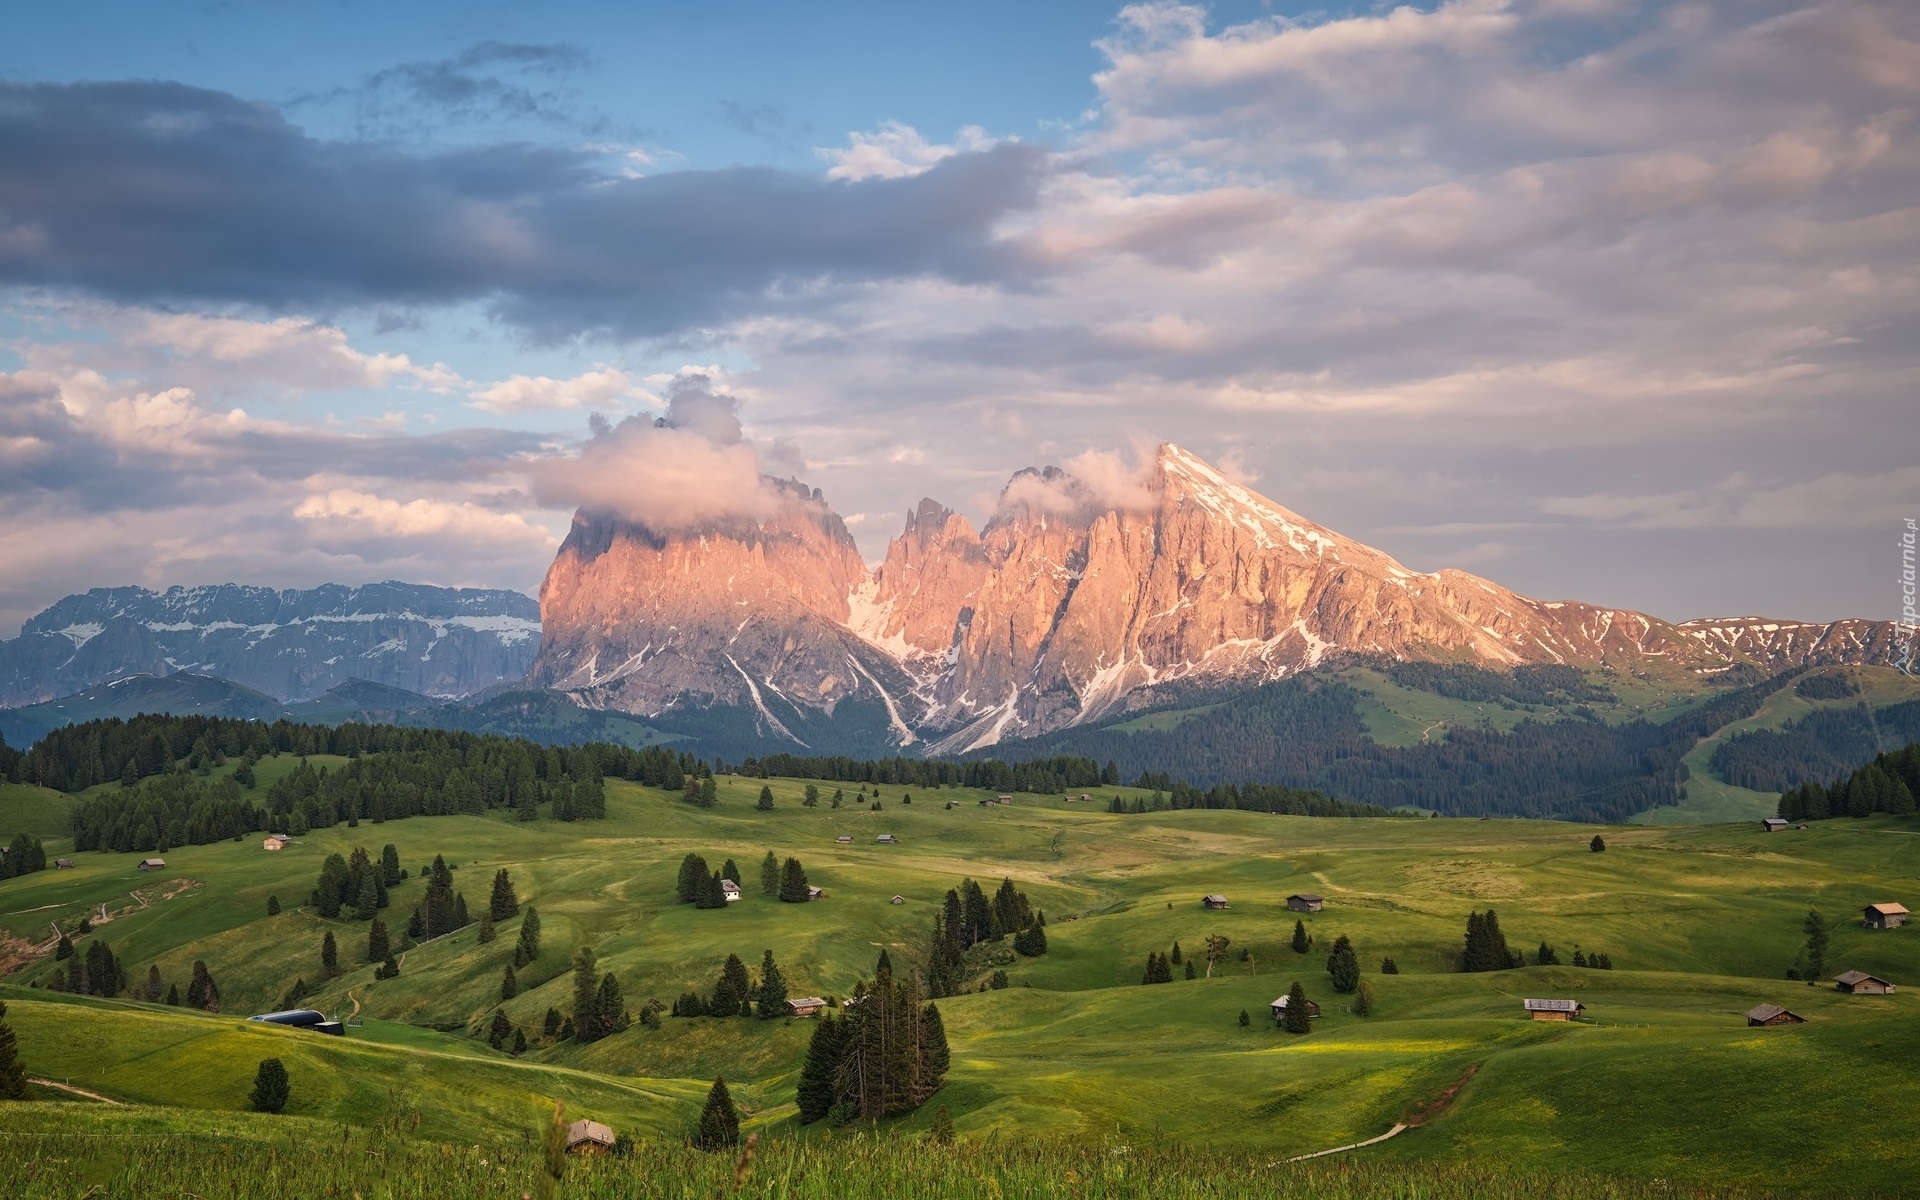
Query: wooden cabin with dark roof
x=1305 y=902
x=1859 y=983
x=1773 y=1014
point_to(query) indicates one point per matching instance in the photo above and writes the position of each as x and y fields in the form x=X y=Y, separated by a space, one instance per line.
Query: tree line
x=1250 y=797
x=1888 y=784
x=1040 y=776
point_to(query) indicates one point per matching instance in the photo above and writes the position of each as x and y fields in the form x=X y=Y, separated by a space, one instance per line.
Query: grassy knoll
x=1665 y=1081
x=29 y=808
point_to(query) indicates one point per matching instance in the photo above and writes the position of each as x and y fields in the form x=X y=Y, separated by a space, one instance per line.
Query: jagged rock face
x=292 y=645
x=753 y=615
x=1068 y=605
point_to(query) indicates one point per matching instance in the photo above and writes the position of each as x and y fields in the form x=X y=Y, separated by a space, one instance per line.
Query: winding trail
x=1398 y=1128
x=356 y=1006
x=67 y=1087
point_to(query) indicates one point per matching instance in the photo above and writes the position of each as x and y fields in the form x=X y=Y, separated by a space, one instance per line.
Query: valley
x=1659 y=1080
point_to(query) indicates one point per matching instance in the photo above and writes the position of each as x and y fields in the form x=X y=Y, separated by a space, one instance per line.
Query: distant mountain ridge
x=293 y=644
x=1072 y=604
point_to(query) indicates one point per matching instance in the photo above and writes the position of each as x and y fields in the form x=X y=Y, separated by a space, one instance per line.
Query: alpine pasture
x=1662 y=1081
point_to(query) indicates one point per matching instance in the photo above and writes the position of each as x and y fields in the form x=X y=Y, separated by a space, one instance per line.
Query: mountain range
x=290 y=645
x=1078 y=601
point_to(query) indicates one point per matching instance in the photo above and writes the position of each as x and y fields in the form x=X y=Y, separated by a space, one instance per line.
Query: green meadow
x=1663 y=1081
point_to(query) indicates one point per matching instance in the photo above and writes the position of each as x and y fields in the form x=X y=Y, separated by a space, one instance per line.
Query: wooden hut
x=1773 y=1014
x=1552 y=1010
x=1213 y=900
x=1884 y=916
x=1773 y=824
x=589 y=1137
x=273 y=841
x=805 y=1006
x=1859 y=983
x=1280 y=1008
x=63 y=864
x=887 y=839
x=1305 y=902
x=153 y=864
x=845 y=839
x=816 y=893
x=898 y=900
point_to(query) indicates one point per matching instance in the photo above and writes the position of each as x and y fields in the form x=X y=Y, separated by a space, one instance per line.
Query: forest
x=1888 y=784
x=1824 y=744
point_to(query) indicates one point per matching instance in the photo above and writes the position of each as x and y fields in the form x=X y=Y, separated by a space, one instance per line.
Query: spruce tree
x=770 y=874
x=793 y=882
x=693 y=872
x=390 y=865
x=941 y=1134
x=367 y=901
x=63 y=949
x=1191 y=973
x=329 y=955
x=1546 y=956
x=1245 y=1020
x=711 y=895
x=273 y=906
x=271 y=1088
x=732 y=992
x=202 y=993
x=460 y=918
x=1344 y=965
x=1363 y=999
x=13 y=1073
x=1486 y=946
x=1175 y=956
x=818 y=1087
x=498 y=1029
x=551 y=1025
x=586 y=997
x=486 y=933
x=1388 y=966
x=503 y=904
x=766 y=799
x=528 y=947
x=730 y=871
x=1818 y=937
x=1598 y=844
x=379 y=945
x=519 y=1041
x=719 y=1127
x=772 y=996
x=173 y=994
x=1295 y=1018
x=509 y=983
x=153 y=993
x=1300 y=942
x=610 y=1007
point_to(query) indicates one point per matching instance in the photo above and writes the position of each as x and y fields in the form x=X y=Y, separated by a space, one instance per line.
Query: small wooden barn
x=153 y=864
x=1552 y=1010
x=273 y=841
x=589 y=1137
x=1003 y=799
x=845 y=839
x=898 y=900
x=1859 y=983
x=1280 y=1008
x=887 y=839
x=1773 y=1014
x=805 y=1006
x=816 y=893
x=1773 y=824
x=63 y=864
x=1213 y=900
x=1305 y=902
x=1884 y=916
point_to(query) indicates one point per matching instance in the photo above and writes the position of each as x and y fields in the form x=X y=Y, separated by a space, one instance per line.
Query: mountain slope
x=1075 y=602
x=292 y=645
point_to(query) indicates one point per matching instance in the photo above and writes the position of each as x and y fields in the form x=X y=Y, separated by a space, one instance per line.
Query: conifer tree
x=486 y=933
x=941 y=1134
x=13 y=1073
x=719 y=1127
x=711 y=895
x=1300 y=942
x=693 y=872
x=732 y=992
x=271 y=1088
x=551 y=1025
x=793 y=882
x=503 y=904
x=389 y=968
x=772 y=994
x=152 y=993
x=586 y=997
x=379 y=945
x=1818 y=938
x=1486 y=946
x=730 y=871
x=273 y=906
x=528 y=947
x=1579 y=957
x=1191 y=973
x=460 y=918
x=770 y=874
x=367 y=900
x=818 y=1089
x=519 y=1041
x=1598 y=844
x=610 y=1007
x=812 y=797
x=766 y=799
x=1344 y=965
x=1388 y=966
x=1245 y=1020
x=1295 y=1018
x=1363 y=999
x=63 y=950
x=498 y=1029
x=509 y=983
x=173 y=994
x=329 y=956
x=1175 y=956
x=390 y=865
x=1546 y=956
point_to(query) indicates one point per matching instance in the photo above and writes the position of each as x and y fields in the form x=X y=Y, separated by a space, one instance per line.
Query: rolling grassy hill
x=1665 y=1081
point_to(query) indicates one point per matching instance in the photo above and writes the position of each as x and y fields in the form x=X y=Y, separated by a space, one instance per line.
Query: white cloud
x=895 y=151
x=345 y=514
x=602 y=387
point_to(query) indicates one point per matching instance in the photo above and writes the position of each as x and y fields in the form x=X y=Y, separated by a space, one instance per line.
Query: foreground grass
x=76 y=1152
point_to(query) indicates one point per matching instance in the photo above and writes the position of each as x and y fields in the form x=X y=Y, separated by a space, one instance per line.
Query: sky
x=1604 y=300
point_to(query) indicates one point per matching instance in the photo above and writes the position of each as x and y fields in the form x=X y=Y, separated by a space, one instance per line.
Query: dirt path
x=67 y=1087
x=1397 y=1129
x=356 y=1007
x=1423 y=1111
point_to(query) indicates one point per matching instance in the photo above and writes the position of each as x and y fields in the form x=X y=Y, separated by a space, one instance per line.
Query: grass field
x=1665 y=1081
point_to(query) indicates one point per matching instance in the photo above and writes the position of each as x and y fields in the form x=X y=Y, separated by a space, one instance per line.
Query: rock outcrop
x=1067 y=606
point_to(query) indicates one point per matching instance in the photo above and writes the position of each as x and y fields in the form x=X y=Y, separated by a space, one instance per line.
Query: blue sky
x=1605 y=299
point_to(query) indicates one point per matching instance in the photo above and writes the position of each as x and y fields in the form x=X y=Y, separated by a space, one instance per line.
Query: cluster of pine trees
x=736 y=994
x=1486 y=948
x=968 y=917
x=883 y=1057
x=1042 y=776
x=599 y=1009
x=356 y=885
x=1251 y=797
x=97 y=971
x=702 y=888
x=1888 y=784
x=22 y=856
